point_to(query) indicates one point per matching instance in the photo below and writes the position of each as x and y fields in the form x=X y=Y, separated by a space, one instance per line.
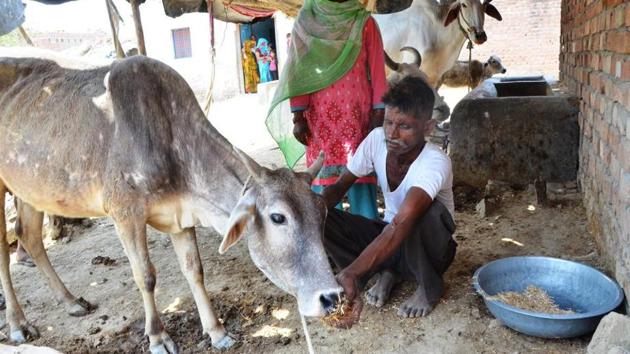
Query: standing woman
x=334 y=78
x=262 y=55
x=249 y=66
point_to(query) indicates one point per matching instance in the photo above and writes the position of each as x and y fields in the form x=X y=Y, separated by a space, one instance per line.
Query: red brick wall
x=595 y=65
x=527 y=40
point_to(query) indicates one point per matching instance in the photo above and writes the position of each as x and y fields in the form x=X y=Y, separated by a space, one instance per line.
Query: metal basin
x=575 y=286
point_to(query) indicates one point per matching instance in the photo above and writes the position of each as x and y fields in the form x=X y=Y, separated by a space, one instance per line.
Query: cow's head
x=283 y=221
x=441 y=110
x=470 y=15
x=494 y=66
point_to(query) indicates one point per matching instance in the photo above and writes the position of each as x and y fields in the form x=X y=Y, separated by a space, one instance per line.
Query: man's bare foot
x=423 y=300
x=379 y=293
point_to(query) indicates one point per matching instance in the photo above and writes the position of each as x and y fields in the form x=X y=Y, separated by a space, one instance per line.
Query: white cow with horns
x=438 y=29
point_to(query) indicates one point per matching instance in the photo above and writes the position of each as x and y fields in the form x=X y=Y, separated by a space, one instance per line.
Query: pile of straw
x=532 y=299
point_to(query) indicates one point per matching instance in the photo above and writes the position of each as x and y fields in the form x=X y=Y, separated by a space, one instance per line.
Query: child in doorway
x=273 y=65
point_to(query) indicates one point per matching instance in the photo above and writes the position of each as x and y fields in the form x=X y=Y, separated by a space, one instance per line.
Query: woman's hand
x=376 y=118
x=300 y=128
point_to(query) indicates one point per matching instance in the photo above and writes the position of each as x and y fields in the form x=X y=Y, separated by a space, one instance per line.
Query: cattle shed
x=595 y=65
x=582 y=47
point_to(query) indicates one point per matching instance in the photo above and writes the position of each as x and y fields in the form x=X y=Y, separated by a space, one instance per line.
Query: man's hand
x=376 y=118
x=349 y=284
x=300 y=128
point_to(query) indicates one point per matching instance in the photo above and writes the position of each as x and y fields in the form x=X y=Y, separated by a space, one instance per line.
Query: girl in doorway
x=273 y=64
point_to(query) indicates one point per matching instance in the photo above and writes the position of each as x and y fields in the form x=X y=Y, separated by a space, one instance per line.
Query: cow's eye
x=464 y=6
x=278 y=218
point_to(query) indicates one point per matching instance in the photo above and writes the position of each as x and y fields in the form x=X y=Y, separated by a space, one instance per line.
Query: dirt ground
x=265 y=320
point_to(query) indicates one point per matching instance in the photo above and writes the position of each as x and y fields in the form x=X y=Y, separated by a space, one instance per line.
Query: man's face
x=403 y=131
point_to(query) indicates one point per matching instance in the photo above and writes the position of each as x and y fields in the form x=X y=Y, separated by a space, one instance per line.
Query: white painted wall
x=91 y=16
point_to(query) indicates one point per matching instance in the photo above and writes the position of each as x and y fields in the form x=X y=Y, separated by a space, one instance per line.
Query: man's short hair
x=411 y=95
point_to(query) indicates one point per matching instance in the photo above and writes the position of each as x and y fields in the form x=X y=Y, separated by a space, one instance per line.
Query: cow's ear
x=492 y=11
x=242 y=214
x=452 y=14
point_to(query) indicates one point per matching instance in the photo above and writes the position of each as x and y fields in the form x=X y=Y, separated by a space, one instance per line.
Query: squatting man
x=414 y=241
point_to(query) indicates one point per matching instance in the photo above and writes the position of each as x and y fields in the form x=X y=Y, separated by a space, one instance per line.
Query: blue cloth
x=362 y=199
x=262 y=47
x=263 y=70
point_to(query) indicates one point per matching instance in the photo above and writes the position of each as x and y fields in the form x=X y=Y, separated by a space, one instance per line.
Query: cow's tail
x=390 y=62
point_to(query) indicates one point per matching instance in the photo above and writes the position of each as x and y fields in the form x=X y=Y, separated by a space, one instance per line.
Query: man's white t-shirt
x=431 y=171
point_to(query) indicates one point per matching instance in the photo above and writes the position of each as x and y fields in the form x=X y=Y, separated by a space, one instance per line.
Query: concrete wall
x=49 y=27
x=197 y=69
x=527 y=40
x=595 y=65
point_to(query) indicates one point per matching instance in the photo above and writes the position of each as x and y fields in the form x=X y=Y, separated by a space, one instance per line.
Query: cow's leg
x=31 y=238
x=132 y=230
x=185 y=245
x=20 y=329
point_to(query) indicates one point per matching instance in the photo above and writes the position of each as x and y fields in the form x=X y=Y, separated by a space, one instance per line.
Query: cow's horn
x=417 y=57
x=390 y=62
x=254 y=169
x=316 y=166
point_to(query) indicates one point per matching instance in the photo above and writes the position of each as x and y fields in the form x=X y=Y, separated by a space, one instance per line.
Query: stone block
x=515 y=140
x=613 y=332
x=496 y=188
x=487 y=206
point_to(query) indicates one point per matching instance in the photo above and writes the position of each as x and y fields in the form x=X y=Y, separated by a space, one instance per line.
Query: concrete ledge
x=514 y=139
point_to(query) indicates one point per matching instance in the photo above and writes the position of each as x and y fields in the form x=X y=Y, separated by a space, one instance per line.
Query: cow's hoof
x=224 y=343
x=81 y=308
x=167 y=346
x=23 y=333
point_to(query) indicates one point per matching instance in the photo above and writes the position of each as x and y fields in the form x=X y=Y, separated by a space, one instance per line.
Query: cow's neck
x=216 y=178
x=454 y=46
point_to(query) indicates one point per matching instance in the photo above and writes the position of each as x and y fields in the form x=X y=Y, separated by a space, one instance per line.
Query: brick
x=625 y=68
x=619 y=116
x=612 y=3
x=607 y=64
x=624 y=186
x=608 y=85
x=624 y=154
x=615 y=167
x=614 y=138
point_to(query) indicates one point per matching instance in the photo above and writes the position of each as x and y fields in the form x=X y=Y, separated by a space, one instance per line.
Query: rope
x=464 y=30
x=470 y=47
x=309 y=344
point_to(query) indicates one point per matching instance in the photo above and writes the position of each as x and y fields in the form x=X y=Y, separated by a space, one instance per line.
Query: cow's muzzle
x=329 y=301
x=480 y=37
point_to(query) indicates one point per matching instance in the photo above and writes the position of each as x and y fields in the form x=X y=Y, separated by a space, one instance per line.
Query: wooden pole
x=135 y=8
x=208 y=99
x=25 y=36
x=113 y=23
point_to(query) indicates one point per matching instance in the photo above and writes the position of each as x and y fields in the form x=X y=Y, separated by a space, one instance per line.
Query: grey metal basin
x=575 y=286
